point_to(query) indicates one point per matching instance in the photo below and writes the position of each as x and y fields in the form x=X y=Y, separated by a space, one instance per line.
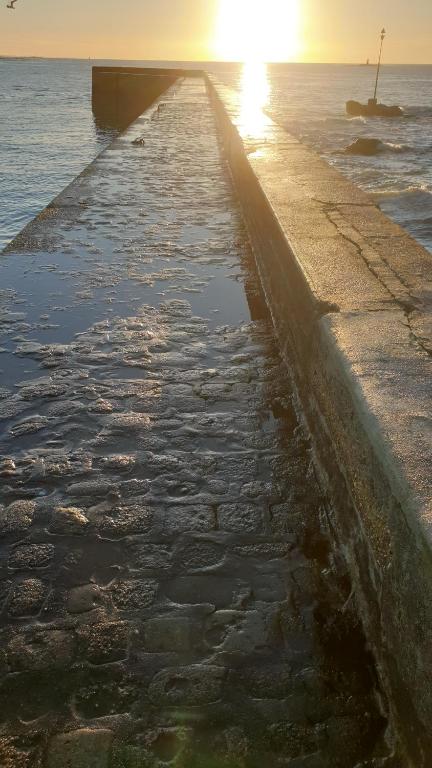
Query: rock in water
x=364 y=147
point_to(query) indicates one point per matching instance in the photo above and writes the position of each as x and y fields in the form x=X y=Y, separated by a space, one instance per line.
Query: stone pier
x=178 y=584
x=121 y=94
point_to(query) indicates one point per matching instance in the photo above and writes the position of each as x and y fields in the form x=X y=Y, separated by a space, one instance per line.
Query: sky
x=185 y=30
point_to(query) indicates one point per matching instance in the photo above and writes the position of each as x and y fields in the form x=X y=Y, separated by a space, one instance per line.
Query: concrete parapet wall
x=121 y=94
x=350 y=295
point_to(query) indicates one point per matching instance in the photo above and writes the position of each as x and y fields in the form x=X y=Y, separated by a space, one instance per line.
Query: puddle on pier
x=168 y=578
x=60 y=304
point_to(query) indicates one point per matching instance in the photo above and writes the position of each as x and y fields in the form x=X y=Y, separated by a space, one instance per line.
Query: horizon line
x=216 y=61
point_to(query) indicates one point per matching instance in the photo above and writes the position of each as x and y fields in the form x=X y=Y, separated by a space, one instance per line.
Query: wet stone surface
x=169 y=593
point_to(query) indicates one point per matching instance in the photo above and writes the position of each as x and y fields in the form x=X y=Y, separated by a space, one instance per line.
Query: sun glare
x=254 y=95
x=258 y=30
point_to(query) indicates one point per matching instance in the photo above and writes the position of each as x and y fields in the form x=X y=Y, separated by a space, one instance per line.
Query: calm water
x=48 y=134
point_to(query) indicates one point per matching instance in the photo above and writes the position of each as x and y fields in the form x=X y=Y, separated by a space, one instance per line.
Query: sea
x=48 y=134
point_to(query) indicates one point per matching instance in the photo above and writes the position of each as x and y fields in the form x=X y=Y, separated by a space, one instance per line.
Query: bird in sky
x=11 y=5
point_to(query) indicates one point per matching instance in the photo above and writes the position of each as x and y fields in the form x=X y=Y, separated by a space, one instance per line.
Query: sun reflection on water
x=254 y=97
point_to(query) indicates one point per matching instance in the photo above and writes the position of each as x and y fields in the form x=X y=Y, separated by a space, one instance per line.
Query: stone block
x=168 y=634
x=104 y=642
x=84 y=748
x=199 y=684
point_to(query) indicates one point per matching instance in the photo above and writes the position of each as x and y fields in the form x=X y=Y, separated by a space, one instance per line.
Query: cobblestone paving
x=169 y=593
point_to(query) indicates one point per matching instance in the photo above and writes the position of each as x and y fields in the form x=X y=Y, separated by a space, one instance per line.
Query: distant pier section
x=121 y=94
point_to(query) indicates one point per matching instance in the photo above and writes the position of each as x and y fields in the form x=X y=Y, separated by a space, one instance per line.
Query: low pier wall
x=121 y=94
x=350 y=296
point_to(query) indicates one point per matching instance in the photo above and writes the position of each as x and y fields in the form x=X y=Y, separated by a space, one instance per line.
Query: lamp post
x=383 y=34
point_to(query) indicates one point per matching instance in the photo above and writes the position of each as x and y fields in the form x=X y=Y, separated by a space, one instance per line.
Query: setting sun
x=253 y=30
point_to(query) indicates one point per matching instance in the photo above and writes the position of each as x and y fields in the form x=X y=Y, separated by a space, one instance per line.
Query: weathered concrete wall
x=350 y=295
x=121 y=94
